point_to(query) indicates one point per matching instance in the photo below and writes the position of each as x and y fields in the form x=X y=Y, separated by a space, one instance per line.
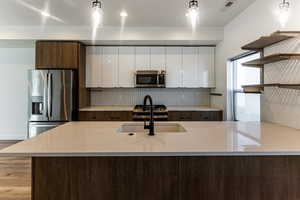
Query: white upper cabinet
x=174 y=67
x=190 y=71
x=158 y=58
x=126 y=67
x=93 y=67
x=206 y=67
x=109 y=67
x=142 y=58
x=186 y=67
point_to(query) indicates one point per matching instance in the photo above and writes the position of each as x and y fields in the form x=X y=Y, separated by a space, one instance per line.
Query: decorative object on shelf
x=271 y=59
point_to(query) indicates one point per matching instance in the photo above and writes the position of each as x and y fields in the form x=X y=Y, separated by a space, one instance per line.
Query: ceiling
x=141 y=13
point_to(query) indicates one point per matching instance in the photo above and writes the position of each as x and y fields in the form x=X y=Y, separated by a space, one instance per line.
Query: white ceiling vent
x=228 y=4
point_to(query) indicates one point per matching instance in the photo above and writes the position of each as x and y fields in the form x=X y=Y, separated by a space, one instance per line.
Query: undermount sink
x=158 y=128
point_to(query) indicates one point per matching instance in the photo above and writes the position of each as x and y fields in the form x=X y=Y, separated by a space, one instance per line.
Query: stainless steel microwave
x=150 y=79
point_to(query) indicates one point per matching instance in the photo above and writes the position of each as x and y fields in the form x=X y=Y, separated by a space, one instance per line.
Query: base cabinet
x=166 y=178
x=105 y=116
x=195 y=116
x=173 y=116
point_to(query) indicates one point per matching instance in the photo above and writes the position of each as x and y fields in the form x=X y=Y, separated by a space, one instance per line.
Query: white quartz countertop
x=130 y=108
x=201 y=139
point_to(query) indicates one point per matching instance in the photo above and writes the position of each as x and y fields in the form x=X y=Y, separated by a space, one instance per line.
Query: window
x=246 y=107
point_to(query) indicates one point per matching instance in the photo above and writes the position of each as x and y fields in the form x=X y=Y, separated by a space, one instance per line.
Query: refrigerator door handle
x=45 y=100
x=49 y=95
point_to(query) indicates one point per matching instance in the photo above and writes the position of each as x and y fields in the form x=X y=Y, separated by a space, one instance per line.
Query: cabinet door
x=206 y=67
x=126 y=67
x=158 y=58
x=57 y=55
x=109 y=67
x=174 y=67
x=190 y=67
x=93 y=67
x=142 y=58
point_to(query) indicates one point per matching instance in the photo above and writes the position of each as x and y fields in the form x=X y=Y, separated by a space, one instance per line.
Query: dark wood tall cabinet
x=65 y=55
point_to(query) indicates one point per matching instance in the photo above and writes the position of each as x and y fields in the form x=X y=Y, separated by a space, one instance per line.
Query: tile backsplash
x=282 y=105
x=134 y=96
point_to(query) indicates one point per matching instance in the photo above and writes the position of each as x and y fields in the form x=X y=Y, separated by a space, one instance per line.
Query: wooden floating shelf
x=257 y=89
x=290 y=86
x=271 y=59
x=266 y=41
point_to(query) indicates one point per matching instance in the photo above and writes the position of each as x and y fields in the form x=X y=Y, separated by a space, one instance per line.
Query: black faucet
x=151 y=122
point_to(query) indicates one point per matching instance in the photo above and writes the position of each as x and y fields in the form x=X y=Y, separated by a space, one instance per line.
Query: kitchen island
x=206 y=160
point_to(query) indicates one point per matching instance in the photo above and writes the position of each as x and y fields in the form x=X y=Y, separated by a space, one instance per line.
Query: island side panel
x=105 y=178
x=164 y=178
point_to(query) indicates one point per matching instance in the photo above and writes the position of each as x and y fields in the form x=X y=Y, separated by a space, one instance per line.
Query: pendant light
x=193 y=12
x=284 y=7
x=97 y=13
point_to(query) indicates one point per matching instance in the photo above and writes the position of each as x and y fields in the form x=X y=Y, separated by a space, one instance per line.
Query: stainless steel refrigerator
x=51 y=99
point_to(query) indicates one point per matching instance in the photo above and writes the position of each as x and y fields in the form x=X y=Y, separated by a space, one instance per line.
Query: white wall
x=15 y=59
x=257 y=20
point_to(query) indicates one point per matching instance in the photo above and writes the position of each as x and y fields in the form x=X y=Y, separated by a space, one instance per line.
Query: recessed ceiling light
x=45 y=14
x=123 y=14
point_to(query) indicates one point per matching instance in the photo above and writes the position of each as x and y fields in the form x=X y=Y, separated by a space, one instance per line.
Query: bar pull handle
x=45 y=99
x=49 y=95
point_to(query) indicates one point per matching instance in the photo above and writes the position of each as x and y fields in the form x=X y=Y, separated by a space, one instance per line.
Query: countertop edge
x=170 y=108
x=152 y=154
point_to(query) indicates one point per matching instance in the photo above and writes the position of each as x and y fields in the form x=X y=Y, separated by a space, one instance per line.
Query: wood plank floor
x=15 y=176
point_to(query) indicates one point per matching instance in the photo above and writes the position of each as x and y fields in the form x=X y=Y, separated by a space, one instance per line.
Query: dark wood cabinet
x=195 y=116
x=173 y=116
x=166 y=178
x=59 y=55
x=65 y=55
x=180 y=116
x=105 y=116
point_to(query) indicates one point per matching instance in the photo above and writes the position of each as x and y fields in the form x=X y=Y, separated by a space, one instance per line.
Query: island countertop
x=200 y=139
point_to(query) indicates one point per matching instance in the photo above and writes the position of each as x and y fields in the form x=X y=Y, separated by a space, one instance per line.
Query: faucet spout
x=151 y=122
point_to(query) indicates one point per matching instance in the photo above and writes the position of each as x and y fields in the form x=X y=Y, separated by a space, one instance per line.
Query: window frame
x=234 y=78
